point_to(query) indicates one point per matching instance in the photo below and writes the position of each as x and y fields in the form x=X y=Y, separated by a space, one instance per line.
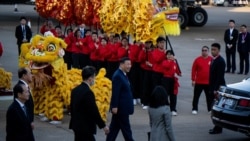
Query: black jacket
x=217 y=73
x=18 y=125
x=29 y=104
x=19 y=34
x=84 y=112
x=244 y=47
x=232 y=41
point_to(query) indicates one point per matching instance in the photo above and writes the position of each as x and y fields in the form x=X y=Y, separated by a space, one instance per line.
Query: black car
x=231 y=110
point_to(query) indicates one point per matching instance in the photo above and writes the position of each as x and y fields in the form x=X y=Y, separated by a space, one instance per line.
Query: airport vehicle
x=226 y=3
x=190 y=12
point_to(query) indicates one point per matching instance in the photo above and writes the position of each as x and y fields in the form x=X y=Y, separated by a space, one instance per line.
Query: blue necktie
x=25 y=110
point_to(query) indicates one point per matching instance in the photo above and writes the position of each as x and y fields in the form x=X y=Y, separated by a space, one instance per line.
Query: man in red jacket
x=200 y=78
x=158 y=56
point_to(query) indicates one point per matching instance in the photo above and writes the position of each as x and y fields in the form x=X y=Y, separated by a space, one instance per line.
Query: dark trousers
x=120 y=122
x=198 y=88
x=156 y=79
x=19 y=48
x=230 y=55
x=68 y=59
x=112 y=67
x=244 y=61
x=168 y=84
x=135 y=79
x=80 y=136
x=94 y=63
x=76 y=60
x=101 y=64
x=147 y=87
x=84 y=60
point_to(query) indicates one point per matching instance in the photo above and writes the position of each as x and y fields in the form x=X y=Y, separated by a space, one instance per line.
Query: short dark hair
x=217 y=45
x=117 y=36
x=23 y=18
x=243 y=26
x=205 y=47
x=58 y=26
x=88 y=71
x=159 y=97
x=21 y=72
x=18 y=88
x=123 y=60
x=232 y=21
x=94 y=33
x=124 y=38
x=170 y=52
x=159 y=39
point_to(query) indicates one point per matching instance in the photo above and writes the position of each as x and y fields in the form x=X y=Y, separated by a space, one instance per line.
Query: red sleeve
x=1 y=49
x=134 y=51
x=91 y=45
x=122 y=52
x=177 y=70
x=142 y=55
x=158 y=56
x=42 y=30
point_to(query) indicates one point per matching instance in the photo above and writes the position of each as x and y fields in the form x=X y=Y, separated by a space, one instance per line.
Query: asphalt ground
x=187 y=46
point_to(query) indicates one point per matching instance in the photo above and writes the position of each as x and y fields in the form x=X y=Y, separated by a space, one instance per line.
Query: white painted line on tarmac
x=204 y=39
x=4 y=98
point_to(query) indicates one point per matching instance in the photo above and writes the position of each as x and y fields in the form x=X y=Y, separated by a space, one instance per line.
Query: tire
x=190 y=11
x=198 y=17
x=183 y=18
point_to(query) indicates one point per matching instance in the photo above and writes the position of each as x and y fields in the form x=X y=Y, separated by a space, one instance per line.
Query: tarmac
x=187 y=46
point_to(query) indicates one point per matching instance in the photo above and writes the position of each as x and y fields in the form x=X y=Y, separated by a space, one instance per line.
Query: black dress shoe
x=227 y=71
x=246 y=73
x=232 y=71
x=212 y=131
x=239 y=73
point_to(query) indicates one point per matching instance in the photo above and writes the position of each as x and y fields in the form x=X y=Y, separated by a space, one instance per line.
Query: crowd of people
x=152 y=65
x=141 y=73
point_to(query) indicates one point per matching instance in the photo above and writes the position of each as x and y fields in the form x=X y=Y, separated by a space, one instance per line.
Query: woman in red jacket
x=112 y=56
x=85 y=50
x=93 y=46
x=168 y=81
x=145 y=59
x=102 y=52
x=158 y=56
x=123 y=50
x=75 y=43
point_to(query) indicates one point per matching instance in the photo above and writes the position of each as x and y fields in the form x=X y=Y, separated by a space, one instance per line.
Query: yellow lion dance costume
x=52 y=82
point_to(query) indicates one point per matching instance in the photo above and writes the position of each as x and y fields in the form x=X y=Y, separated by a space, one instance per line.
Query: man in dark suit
x=23 y=33
x=244 y=49
x=25 y=77
x=18 y=126
x=121 y=102
x=84 y=112
x=230 y=38
x=216 y=78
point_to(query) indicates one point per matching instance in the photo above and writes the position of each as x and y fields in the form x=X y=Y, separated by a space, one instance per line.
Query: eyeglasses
x=204 y=50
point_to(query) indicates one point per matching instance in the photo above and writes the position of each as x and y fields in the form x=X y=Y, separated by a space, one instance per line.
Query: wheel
x=198 y=17
x=190 y=11
x=226 y=4
x=183 y=18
